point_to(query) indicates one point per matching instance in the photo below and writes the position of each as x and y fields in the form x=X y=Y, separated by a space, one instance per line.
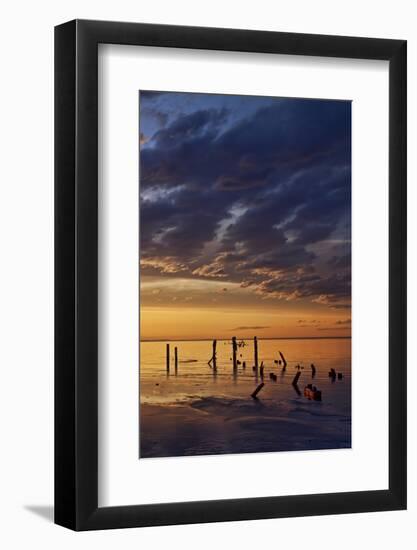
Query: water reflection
x=224 y=393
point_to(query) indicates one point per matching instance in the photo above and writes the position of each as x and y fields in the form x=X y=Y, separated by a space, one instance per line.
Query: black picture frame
x=76 y=272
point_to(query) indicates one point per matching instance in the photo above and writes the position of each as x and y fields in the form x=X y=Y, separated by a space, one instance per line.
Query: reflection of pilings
x=255 y=345
x=167 y=357
x=234 y=344
x=296 y=389
x=176 y=359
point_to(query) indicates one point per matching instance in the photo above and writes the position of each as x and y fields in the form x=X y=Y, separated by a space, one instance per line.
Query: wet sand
x=215 y=425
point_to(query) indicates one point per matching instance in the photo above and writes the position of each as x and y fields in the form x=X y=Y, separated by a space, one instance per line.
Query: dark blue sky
x=254 y=191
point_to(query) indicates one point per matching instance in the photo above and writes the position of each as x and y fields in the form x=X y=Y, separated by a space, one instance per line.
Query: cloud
x=163 y=265
x=214 y=269
x=249 y=328
x=143 y=139
x=332 y=328
x=251 y=200
x=184 y=129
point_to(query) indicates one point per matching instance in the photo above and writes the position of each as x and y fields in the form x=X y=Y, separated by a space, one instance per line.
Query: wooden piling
x=176 y=359
x=167 y=357
x=283 y=360
x=313 y=370
x=234 y=345
x=255 y=344
x=257 y=390
x=332 y=374
x=244 y=365
x=213 y=360
x=296 y=377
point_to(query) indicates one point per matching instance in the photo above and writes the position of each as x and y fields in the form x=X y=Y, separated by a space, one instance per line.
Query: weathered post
x=255 y=345
x=176 y=359
x=295 y=383
x=168 y=358
x=213 y=359
x=234 y=344
x=296 y=377
x=257 y=390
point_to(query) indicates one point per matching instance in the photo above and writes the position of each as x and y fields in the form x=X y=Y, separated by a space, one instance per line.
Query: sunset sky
x=245 y=216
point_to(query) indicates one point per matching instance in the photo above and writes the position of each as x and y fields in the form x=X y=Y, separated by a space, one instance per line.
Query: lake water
x=201 y=410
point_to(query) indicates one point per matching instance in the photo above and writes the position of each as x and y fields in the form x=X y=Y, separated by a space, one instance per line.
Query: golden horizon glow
x=190 y=323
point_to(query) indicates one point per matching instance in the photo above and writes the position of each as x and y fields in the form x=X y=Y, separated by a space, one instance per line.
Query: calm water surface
x=198 y=379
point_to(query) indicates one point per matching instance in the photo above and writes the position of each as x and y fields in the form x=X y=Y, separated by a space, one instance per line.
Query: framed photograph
x=230 y=244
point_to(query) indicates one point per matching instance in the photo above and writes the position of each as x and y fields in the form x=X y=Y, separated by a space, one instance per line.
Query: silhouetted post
x=283 y=360
x=332 y=374
x=313 y=370
x=176 y=359
x=296 y=377
x=213 y=359
x=167 y=357
x=234 y=344
x=244 y=364
x=262 y=369
x=257 y=390
x=255 y=344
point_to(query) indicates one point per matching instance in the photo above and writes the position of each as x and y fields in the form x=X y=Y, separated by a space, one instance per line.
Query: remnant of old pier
x=213 y=360
x=283 y=361
x=234 y=345
x=257 y=390
x=255 y=347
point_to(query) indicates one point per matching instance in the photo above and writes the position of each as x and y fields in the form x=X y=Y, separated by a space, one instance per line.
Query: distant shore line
x=247 y=339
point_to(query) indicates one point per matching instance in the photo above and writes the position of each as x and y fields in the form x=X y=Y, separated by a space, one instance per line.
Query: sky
x=245 y=216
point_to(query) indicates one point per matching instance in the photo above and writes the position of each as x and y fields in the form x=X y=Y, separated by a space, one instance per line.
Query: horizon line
x=150 y=340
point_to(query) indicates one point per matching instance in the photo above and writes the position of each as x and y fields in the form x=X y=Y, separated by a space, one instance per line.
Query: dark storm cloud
x=160 y=118
x=188 y=127
x=244 y=202
x=150 y=94
x=343 y=261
